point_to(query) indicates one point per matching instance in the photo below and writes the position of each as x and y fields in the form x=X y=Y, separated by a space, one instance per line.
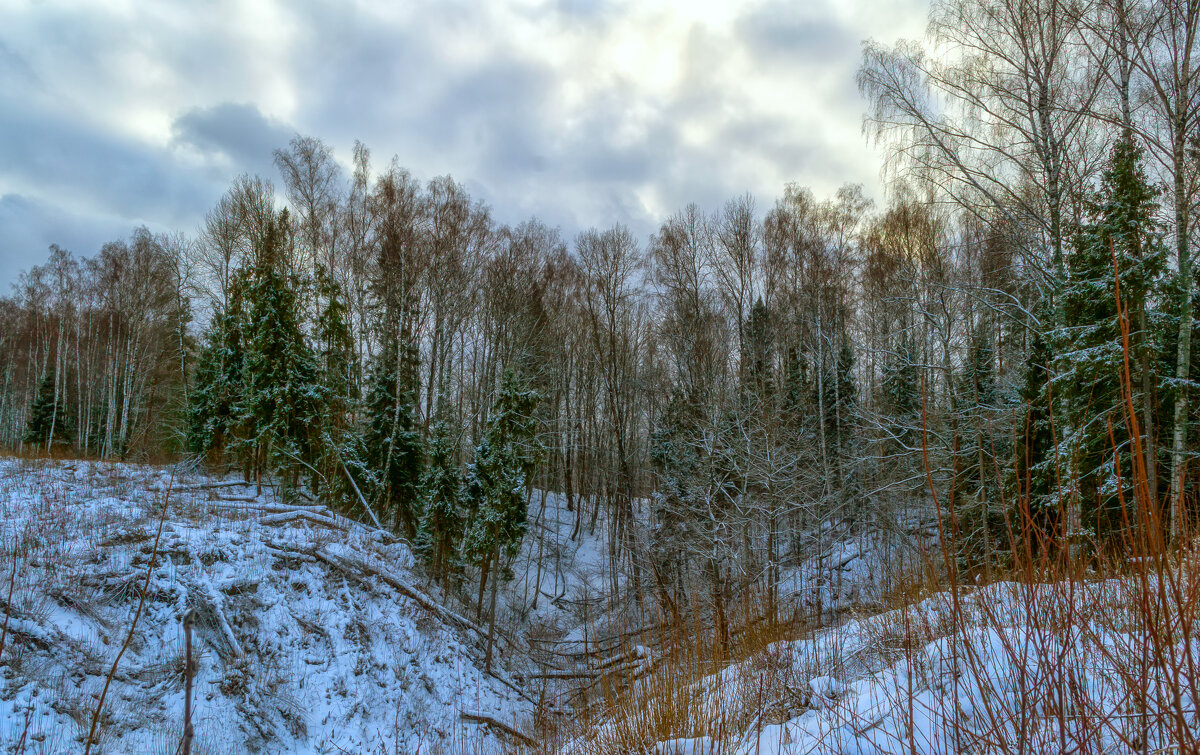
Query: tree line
x=1008 y=338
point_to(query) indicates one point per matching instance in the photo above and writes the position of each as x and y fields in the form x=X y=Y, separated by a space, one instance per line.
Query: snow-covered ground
x=315 y=634
x=312 y=632
x=564 y=564
x=842 y=571
x=849 y=571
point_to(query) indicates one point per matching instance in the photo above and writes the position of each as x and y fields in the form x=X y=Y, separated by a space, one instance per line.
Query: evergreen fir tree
x=442 y=520
x=1091 y=347
x=677 y=465
x=336 y=346
x=1036 y=475
x=393 y=437
x=758 y=379
x=281 y=395
x=901 y=396
x=797 y=391
x=978 y=400
x=217 y=385
x=337 y=449
x=840 y=402
x=499 y=476
x=981 y=443
x=47 y=416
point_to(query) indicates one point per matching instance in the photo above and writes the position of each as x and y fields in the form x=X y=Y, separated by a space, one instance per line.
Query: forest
x=1003 y=346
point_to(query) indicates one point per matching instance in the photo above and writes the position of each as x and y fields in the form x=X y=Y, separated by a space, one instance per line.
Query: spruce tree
x=901 y=396
x=281 y=395
x=981 y=443
x=393 y=436
x=443 y=516
x=47 y=418
x=900 y=399
x=978 y=398
x=677 y=466
x=499 y=476
x=335 y=354
x=217 y=387
x=1036 y=474
x=758 y=358
x=840 y=405
x=798 y=392
x=337 y=452
x=1092 y=348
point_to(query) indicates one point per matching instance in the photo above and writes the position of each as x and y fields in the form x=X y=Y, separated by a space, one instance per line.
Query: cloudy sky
x=584 y=112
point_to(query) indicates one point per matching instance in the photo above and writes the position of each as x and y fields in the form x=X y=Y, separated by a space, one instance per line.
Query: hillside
x=313 y=634
x=1071 y=664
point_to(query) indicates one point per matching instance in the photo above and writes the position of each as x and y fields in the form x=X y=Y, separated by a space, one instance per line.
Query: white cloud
x=582 y=112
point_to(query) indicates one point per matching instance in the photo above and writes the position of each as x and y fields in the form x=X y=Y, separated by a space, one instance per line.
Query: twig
x=136 y=616
x=12 y=581
x=20 y=748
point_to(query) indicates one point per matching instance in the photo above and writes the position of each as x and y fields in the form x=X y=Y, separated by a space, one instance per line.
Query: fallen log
x=213 y=486
x=266 y=508
x=567 y=675
x=637 y=652
x=405 y=589
x=296 y=516
x=481 y=718
x=637 y=665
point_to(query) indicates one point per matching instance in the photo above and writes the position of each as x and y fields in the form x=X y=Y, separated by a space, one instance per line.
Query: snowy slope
x=312 y=633
x=574 y=565
x=1001 y=670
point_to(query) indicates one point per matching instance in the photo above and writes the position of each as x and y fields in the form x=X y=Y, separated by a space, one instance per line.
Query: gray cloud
x=237 y=132
x=85 y=166
x=14 y=69
x=497 y=114
x=589 y=11
x=788 y=35
x=26 y=224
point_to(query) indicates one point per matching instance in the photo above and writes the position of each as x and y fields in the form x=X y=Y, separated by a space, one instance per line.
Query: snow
x=916 y=680
x=307 y=638
x=696 y=746
x=574 y=571
x=315 y=634
x=848 y=572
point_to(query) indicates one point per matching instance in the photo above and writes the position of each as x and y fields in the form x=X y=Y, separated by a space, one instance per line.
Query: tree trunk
x=487 y=658
x=483 y=578
x=1183 y=362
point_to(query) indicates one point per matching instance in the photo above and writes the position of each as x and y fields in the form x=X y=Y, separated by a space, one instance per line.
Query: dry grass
x=685 y=685
x=1104 y=663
